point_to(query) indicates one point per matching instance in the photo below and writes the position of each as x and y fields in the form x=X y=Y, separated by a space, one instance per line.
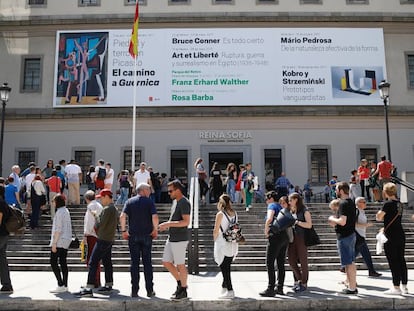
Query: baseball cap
x=103 y=193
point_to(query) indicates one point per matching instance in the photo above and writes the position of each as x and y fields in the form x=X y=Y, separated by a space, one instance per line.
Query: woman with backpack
x=124 y=185
x=90 y=178
x=225 y=251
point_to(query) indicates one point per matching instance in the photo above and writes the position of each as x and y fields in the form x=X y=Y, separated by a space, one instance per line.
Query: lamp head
x=5 y=92
x=384 y=89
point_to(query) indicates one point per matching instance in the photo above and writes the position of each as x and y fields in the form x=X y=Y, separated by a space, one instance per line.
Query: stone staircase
x=30 y=252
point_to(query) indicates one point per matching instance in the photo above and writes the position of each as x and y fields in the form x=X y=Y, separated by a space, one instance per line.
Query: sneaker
x=300 y=288
x=268 y=292
x=348 y=291
x=150 y=293
x=85 y=292
x=223 y=291
x=181 y=294
x=228 y=295
x=247 y=209
x=404 y=289
x=59 y=289
x=393 y=291
x=6 y=290
x=374 y=274
x=295 y=285
x=105 y=289
x=342 y=270
x=279 y=291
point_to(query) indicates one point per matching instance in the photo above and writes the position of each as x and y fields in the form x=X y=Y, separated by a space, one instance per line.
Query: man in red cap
x=106 y=224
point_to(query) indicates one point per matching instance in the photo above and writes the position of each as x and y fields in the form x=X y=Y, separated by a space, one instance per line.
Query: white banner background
x=230 y=67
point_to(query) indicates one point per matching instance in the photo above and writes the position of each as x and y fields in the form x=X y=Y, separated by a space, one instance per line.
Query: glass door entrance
x=222 y=159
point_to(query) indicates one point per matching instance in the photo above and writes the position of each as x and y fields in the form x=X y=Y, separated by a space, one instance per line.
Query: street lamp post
x=4 y=96
x=384 y=90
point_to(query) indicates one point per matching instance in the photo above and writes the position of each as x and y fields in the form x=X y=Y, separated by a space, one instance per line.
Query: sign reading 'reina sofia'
x=220 y=67
x=225 y=136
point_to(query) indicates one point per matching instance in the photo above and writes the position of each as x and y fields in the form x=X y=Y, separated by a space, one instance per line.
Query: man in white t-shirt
x=73 y=175
x=142 y=175
x=109 y=178
x=28 y=182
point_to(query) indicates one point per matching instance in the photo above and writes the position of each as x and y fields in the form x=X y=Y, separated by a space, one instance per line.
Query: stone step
x=31 y=251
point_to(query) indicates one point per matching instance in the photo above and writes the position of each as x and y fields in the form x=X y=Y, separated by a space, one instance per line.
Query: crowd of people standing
x=139 y=224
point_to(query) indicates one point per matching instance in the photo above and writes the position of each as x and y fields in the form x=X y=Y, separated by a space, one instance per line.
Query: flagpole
x=133 y=51
x=134 y=117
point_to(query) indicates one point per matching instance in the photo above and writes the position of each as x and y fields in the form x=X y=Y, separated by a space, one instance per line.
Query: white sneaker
x=393 y=291
x=59 y=289
x=247 y=209
x=228 y=295
x=404 y=290
x=223 y=291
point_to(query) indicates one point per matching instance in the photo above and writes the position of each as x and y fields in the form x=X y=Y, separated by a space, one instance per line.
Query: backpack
x=234 y=232
x=88 y=178
x=15 y=222
x=101 y=174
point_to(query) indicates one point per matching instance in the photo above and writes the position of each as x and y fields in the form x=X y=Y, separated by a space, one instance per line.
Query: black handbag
x=283 y=221
x=311 y=237
x=74 y=244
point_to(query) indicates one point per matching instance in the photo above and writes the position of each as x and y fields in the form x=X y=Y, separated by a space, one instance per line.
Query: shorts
x=175 y=252
x=346 y=249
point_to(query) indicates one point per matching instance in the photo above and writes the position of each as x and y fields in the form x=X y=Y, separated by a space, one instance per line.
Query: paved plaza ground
x=31 y=292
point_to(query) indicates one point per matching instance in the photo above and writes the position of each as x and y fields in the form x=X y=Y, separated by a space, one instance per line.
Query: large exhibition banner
x=220 y=67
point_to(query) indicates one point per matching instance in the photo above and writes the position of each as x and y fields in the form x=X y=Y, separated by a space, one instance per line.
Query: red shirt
x=363 y=172
x=54 y=184
x=384 y=169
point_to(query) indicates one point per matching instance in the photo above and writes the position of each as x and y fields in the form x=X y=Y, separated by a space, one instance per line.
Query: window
x=24 y=157
x=41 y=3
x=89 y=2
x=127 y=159
x=178 y=2
x=133 y=2
x=357 y=1
x=84 y=158
x=267 y=1
x=410 y=70
x=31 y=75
x=272 y=166
x=319 y=166
x=179 y=165
x=223 y=1
x=368 y=153
x=310 y=1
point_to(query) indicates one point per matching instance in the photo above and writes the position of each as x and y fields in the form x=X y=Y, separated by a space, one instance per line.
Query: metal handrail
x=193 y=253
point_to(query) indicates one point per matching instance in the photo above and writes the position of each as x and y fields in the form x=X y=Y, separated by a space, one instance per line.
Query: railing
x=193 y=254
x=405 y=196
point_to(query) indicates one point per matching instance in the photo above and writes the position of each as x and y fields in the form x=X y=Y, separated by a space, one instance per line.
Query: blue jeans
x=4 y=266
x=141 y=246
x=34 y=219
x=346 y=249
x=123 y=196
x=231 y=189
x=101 y=251
x=366 y=255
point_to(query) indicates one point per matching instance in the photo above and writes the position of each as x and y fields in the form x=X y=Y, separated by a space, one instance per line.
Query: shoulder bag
x=311 y=237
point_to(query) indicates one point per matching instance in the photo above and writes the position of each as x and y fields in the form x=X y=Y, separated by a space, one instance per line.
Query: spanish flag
x=133 y=42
